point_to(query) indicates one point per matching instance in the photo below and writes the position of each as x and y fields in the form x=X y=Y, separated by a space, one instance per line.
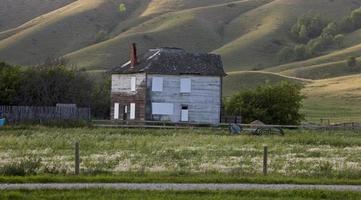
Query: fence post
x=77 y=158
x=265 y=160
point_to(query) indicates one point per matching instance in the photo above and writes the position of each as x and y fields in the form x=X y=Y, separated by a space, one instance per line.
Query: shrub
x=285 y=54
x=10 y=77
x=352 y=22
x=300 y=52
x=307 y=27
x=272 y=104
x=122 y=8
x=338 y=40
x=330 y=29
x=356 y=18
x=351 y=61
x=54 y=83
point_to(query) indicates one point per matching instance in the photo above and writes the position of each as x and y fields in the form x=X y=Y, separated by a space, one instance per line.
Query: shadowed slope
x=198 y=29
x=72 y=27
x=17 y=12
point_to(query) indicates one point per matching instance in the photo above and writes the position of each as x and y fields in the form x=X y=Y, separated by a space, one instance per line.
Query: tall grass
x=115 y=151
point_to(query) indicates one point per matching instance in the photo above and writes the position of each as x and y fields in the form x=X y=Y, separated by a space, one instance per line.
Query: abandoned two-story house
x=168 y=84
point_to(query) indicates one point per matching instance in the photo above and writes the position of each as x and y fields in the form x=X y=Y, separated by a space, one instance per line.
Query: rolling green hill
x=235 y=81
x=334 y=99
x=95 y=35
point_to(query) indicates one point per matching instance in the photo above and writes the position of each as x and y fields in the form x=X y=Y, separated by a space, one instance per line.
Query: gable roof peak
x=174 y=61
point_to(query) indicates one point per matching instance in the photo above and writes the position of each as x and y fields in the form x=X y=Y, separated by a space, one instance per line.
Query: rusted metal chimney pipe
x=133 y=56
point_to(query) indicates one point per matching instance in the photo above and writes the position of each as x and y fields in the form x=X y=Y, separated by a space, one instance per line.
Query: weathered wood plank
x=18 y=114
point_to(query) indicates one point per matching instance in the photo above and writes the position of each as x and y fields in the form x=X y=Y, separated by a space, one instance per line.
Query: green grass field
x=337 y=99
x=129 y=195
x=175 y=153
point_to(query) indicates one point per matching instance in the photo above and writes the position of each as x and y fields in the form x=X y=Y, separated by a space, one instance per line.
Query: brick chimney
x=133 y=56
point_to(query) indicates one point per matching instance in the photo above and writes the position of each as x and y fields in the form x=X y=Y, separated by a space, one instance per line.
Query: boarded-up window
x=133 y=83
x=116 y=111
x=132 y=111
x=157 y=84
x=185 y=85
x=162 y=108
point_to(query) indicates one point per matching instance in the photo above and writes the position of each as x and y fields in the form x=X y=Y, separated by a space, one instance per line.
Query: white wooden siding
x=123 y=82
x=204 y=100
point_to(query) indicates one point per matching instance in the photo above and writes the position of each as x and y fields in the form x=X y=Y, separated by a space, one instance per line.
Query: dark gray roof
x=174 y=61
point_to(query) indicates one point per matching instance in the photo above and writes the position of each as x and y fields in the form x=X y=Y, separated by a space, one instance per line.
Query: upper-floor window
x=157 y=84
x=133 y=83
x=185 y=85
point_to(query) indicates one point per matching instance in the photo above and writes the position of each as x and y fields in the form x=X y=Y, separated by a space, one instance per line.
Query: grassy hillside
x=337 y=99
x=95 y=34
x=247 y=80
x=327 y=66
x=16 y=12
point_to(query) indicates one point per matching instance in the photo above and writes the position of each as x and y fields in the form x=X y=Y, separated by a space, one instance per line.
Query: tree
x=100 y=104
x=315 y=46
x=356 y=18
x=272 y=104
x=330 y=29
x=351 y=61
x=10 y=77
x=285 y=54
x=347 y=25
x=47 y=86
x=122 y=8
x=307 y=27
x=300 y=52
x=338 y=40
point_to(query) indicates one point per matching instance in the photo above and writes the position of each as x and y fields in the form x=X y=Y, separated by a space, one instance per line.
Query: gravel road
x=179 y=187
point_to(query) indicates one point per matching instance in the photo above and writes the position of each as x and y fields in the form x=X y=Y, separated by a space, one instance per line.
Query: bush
x=272 y=104
x=10 y=77
x=351 y=61
x=54 y=83
x=330 y=29
x=122 y=8
x=285 y=54
x=338 y=40
x=307 y=27
x=352 y=22
x=49 y=85
x=300 y=52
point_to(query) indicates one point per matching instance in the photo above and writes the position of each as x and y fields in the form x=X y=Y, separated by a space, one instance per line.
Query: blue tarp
x=2 y=122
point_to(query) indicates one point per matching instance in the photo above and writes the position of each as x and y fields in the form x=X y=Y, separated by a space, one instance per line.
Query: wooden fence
x=18 y=114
